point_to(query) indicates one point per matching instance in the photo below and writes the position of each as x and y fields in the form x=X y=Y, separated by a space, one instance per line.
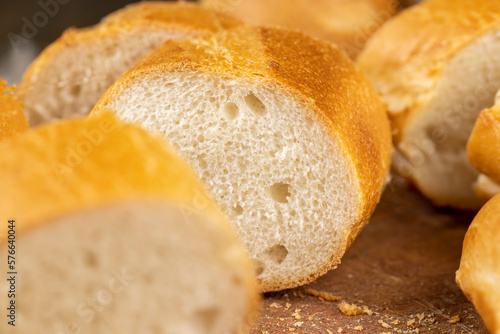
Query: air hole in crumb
x=238 y=210
x=259 y=268
x=203 y=162
x=231 y=109
x=277 y=253
x=279 y=192
x=206 y=318
x=91 y=259
x=76 y=89
x=255 y=104
x=309 y=120
x=200 y=112
x=201 y=138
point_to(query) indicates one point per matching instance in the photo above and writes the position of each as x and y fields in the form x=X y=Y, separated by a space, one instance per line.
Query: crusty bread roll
x=437 y=66
x=114 y=234
x=12 y=118
x=70 y=75
x=289 y=137
x=479 y=273
x=349 y=23
x=484 y=151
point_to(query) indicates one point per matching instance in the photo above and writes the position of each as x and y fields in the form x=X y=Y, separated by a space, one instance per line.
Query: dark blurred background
x=28 y=26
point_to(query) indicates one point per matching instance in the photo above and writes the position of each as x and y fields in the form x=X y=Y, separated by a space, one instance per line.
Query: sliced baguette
x=12 y=118
x=437 y=65
x=479 y=273
x=484 y=151
x=115 y=234
x=348 y=23
x=70 y=75
x=288 y=136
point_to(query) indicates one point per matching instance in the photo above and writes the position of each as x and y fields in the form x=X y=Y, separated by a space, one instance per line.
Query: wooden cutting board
x=400 y=271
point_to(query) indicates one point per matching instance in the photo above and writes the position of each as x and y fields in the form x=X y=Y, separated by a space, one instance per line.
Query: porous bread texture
x=483 y=151
x=348 y=23
x=123 y=240
x=298 y=169
x=479 y=273
x=12 y=118
x=435 y=84
x=70 y=76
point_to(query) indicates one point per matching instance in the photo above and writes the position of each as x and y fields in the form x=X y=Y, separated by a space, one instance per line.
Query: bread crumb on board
x=351 y=309
x=358 y=328
x=384 y=324
x=454 y=319
x=322 y=295
x=296 y=314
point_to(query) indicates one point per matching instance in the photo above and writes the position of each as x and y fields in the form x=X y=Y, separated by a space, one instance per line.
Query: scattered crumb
x=410 y=322
x=291 y=329
x=282 y=319
x=329 y=331
x=275 y=305
x=367 y=310
x=350 y=309
x=288 y=305
x=265 y=332
x=298 y=323
x=358 y=328
x=454 y=319
x=384 y=324
x=296 y=314
x=310 y=318
x=322 y=295
x=395 y=322
x=339 y=330
x=421 y=316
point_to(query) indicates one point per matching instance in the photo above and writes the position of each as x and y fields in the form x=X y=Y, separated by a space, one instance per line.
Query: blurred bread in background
x=437 y=66
x=116 y=235
x=12 y=118
x=479 y=273
x=484 y=151
x=71 y=74
x=348 y=23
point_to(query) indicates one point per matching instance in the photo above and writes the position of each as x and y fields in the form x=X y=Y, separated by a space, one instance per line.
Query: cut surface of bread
x=12 y=118
x=349 y=23
x=115 y=234
x=435 y=83
x=479 y=273
x=72 y=73
x=483 y=150
x=289 y=138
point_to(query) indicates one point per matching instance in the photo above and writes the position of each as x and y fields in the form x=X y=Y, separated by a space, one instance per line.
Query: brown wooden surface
x=401 y=267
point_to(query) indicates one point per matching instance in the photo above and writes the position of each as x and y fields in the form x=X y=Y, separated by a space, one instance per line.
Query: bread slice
x=12 y=118
x=348 y=23
x=479 y=273
x=484 y=150
x=437 y=65
x=115 y=234
x=70 y=75
x=288 y=136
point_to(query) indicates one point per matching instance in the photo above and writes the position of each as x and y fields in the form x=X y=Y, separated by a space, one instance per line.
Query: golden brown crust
x=405 y=58
x=316 y=73
x=12 y=118
x=348 y=23
x=479 y=271
x=484 y=144
x=178 y=17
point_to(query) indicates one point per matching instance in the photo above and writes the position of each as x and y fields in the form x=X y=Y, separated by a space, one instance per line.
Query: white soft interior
x=271 y=167
x=128 y=268
x=437 y=137
x=73 y=79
